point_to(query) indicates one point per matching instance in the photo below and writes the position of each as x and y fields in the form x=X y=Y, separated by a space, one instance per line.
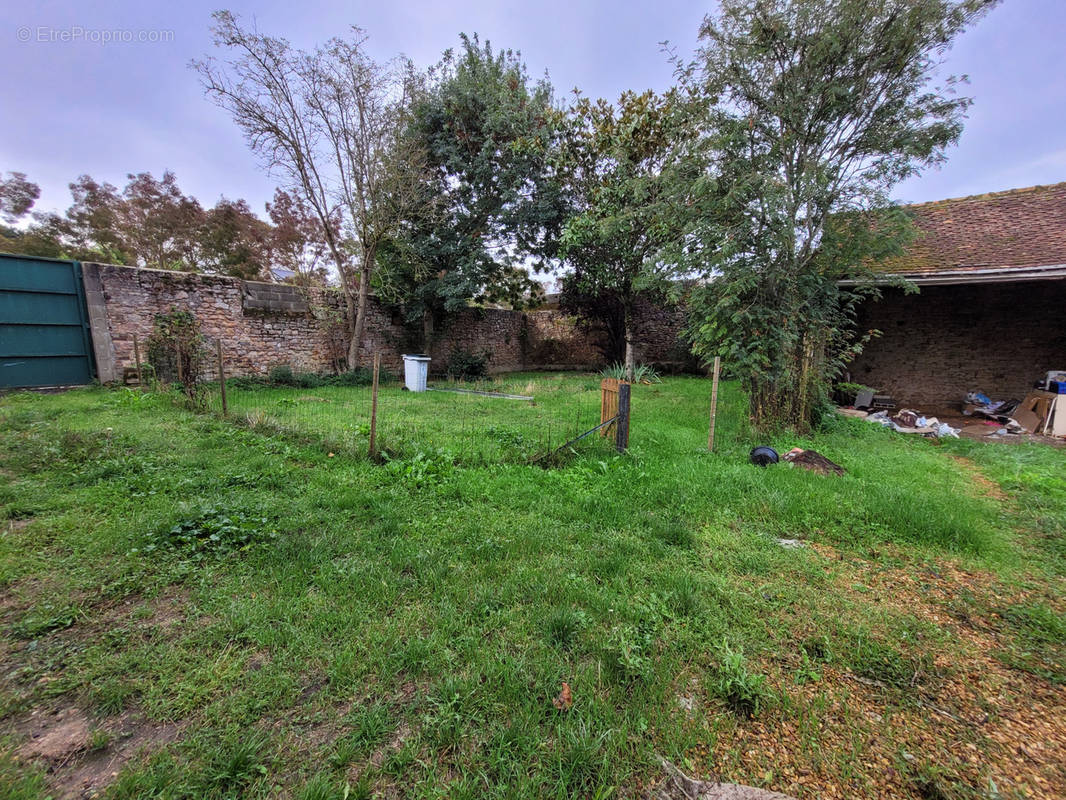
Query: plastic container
x=415 y=372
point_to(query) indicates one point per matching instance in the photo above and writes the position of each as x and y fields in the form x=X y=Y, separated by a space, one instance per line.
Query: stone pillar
x=107 y=370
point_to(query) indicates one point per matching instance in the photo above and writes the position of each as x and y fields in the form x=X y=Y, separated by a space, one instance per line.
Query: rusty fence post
x=621 y=434
x=374 y=409
x=222 y=379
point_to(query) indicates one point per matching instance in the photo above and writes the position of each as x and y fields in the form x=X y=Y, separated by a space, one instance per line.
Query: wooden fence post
x=374 y=409
x=137 y=362
x=714 y=402
x=621 y=434
x=222 y=378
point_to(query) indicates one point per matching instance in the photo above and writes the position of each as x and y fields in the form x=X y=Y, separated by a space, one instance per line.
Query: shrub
x=282 y=375
x=642 y=373
x=176 y=338
x=360 y=376
x=464 y=365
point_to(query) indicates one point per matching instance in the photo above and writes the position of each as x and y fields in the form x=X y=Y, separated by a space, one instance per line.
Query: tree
x=631 y=184
x=17 y=196
x=233 y=241
x=92 y=227
x=328 y=121
x=158 y=224
x=487 y=131
x=150 y=223
x=821 y=107
x=298 y=244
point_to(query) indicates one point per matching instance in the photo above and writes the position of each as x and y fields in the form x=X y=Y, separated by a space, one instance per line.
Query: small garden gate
x=614 y=410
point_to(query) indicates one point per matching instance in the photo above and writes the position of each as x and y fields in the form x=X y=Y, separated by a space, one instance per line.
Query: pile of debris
x=907 y=421
x=1041 y=412
x=764 y=456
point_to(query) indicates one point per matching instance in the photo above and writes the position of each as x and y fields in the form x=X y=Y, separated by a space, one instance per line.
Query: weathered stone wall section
x=554 y=339
x=254 y=341
x=263 y=325
x=661 y=330
x=947 y=340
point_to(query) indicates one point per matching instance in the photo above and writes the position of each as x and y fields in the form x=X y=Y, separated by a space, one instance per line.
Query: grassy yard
x=194 y=608
x=464 y=427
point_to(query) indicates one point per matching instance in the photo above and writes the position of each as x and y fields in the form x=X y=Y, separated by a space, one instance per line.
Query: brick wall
x=263 y=325
x=947 y=340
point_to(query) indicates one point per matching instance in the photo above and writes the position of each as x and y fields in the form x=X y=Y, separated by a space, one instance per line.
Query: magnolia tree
x=328 y=123
x=819 y=108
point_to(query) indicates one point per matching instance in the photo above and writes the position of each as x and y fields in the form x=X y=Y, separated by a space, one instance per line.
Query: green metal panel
x=44 y=330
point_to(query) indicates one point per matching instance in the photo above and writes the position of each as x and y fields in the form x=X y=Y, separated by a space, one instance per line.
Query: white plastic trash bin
x=415 y=370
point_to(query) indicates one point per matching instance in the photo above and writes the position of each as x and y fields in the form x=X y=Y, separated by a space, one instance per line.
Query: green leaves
x=821 y=107
x=487 y=129
x=211 y=532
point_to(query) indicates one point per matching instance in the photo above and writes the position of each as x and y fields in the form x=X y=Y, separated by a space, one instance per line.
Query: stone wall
x=947 y=340
x=263 y=325
x=255 y=339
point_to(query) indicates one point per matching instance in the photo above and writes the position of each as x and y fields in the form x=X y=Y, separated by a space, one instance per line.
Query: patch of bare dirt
x=83 y=757
x=986 y=487
x=844 y=736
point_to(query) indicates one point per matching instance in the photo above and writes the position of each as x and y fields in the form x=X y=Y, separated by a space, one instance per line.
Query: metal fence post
x=621 y=435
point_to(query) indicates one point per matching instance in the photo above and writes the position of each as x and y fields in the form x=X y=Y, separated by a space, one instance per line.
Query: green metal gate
x=44 y=329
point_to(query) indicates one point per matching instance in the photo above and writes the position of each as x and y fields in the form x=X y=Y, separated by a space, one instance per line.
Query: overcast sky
x=111 y=108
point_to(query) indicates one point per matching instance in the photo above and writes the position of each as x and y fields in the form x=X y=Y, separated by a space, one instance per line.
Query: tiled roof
x=1020 y=228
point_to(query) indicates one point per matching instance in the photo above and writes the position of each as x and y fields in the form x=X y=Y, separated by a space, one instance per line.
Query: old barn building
x=991 y=310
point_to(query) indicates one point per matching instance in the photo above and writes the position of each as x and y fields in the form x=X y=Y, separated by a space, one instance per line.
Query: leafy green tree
x=821 y=107
x=487 y=130
x=159 y=224
x=632 y=187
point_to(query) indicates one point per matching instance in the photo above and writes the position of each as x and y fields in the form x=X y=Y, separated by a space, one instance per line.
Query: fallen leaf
x=565 y=699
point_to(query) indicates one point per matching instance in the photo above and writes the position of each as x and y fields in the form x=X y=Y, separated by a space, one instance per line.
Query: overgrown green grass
x=455 y=422
x=409 y=624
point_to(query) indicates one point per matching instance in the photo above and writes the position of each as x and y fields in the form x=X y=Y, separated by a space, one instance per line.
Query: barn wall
x=947 y=340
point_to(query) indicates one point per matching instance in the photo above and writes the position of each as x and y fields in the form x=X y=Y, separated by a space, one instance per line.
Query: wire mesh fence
x=516 y=419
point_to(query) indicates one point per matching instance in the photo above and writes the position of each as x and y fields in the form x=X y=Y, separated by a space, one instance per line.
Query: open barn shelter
x=990 y=313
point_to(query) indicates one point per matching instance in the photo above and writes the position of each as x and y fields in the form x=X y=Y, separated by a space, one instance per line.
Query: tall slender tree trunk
x=631 y=357
x=359 y=324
